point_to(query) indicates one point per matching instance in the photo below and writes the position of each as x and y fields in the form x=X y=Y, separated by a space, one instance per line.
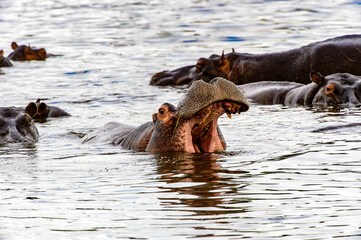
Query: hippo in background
x=179 y=76
x=26 y=53
x=334 y=89
x=4 y=62
x=340 y=54
x=40 y=111
x=191 y=127
x=16 y=126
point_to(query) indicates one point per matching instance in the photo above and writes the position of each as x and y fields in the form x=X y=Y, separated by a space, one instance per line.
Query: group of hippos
x=321 y=73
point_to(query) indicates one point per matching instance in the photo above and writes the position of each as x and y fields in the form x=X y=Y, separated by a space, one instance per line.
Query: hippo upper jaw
x=201 y=130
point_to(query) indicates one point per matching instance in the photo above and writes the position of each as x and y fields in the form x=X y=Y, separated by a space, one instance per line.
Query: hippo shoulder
x=136 y=139
x=108 y=133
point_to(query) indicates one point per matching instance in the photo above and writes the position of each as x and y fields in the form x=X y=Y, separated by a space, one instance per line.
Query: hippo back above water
x=340 y=54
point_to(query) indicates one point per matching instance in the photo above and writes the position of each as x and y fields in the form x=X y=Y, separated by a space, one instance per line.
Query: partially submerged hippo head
x=192 y=127
x=37 y=110
x=24 y=53
x=40 y=111
x=179 y=76
x=4 y=62
x=338 y=88
x=218 y=66
x=16 y=126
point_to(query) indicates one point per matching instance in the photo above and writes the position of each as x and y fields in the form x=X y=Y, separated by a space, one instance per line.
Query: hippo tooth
x=229 y=115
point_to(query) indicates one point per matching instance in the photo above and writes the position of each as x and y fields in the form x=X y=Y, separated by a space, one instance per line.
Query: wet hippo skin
x=335 y=55
x=4 y=61
x=40 y=111
x=26 y=53
x=338 y=88
x=191 y=127
x=16 y=126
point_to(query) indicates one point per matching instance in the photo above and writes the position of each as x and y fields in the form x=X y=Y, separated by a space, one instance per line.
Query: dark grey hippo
x=4 y=62
x=191 y=127
x=335 y=55
x=334 y=89
x=40 y=111
x=16 y=126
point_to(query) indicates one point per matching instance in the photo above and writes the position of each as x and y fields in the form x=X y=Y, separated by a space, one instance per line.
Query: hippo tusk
x=229 y=115
x=176 y=125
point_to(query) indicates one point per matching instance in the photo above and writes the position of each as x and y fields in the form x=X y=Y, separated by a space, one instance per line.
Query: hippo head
x=23 y=53
x=16 y=126
x=216 y=66
x=338 y=88
x=180 y=76
x=38 y=111
x=192 y=126
x=4 y=62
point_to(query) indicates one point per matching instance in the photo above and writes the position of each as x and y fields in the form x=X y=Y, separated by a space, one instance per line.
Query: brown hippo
x=16 y=126
x=338 y=88
x=340 y=54
x=40 y=111
x=191 y=127
x=4 y=62
x=24 y=53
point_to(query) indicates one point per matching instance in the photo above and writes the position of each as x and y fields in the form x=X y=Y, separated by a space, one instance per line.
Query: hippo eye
x=200 y=65
x=161 y=111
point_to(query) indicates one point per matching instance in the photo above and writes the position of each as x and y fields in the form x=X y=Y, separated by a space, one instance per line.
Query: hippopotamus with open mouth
x=191 y=127
x=16 y=126
x=340 y=54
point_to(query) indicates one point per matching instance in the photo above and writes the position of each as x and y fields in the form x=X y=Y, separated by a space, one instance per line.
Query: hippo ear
x=222 y=59
x=14 y=45
x=2 y=52
x=233 y=50
x=154 y=117
x=27 y=50
x=317 y=78
x=31 y=109
x=42 y=108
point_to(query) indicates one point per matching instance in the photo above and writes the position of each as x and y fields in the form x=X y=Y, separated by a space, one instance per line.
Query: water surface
x=277 y=178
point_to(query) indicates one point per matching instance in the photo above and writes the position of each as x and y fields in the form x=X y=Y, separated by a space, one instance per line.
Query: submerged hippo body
x=338 y=88
x=26 y=53
x=40 y=111
x=191 y=127
x=340 y=54
x=16 y=126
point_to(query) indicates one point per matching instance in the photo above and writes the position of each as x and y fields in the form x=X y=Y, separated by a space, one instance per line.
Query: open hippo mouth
x=202 y=133
x=200 y=109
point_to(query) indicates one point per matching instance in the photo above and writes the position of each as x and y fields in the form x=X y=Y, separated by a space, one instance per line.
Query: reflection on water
x=200 y=182
x=277 y=179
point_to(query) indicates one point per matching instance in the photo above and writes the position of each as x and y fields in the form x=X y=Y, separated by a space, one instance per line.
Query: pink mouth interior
x=201 y=129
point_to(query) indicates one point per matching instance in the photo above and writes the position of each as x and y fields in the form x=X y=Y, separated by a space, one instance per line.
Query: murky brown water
x=277 y=179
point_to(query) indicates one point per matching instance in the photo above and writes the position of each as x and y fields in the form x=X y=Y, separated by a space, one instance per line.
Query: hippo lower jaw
x=201 y=130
